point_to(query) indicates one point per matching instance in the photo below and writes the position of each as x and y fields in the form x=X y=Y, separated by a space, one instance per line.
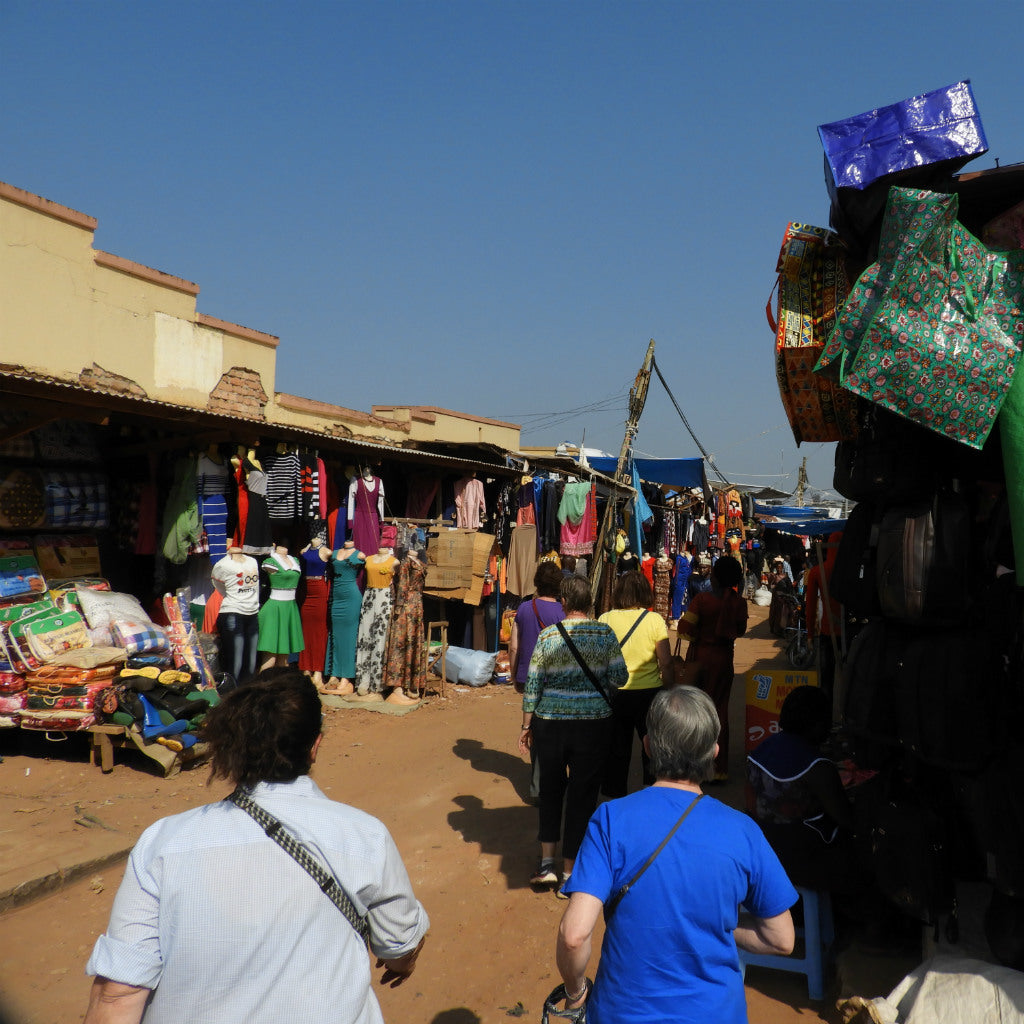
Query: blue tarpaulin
x=788 y=511
x=681 y=473
x=806 y=527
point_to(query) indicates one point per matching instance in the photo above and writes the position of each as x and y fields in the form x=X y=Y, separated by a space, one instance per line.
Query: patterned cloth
x=407 y=652
x=931 y=331
x=76 y=500
x=372 y=639
x=812 y=285
x=556 y=686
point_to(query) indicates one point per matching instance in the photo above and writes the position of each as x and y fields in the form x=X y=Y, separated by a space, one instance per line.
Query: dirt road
x=447 y=781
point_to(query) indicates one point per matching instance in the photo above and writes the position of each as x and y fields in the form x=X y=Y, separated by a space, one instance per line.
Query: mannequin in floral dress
x=406 y=668
x=374 y=622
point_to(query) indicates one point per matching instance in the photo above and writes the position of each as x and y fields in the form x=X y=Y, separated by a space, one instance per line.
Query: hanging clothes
x=421 y=494
x=181 y=514
x=309 y=487
x=576 y=514
x=214 y=481
x=259 y=539
x=469 y=503
x=680 y=586
x=526 y=512
x=522 y=560
x=662 y=586
x=365 y=511
x=407 y=651
x=284 y=498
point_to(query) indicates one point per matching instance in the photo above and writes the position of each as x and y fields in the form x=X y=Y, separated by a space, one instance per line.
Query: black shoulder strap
x=629 y=632
x=617 y=898
x=587 y=671
x=327 y=882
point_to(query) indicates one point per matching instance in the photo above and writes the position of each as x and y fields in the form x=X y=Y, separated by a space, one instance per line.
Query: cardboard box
x=448 y=577
x=466 y=548
x=63 y=561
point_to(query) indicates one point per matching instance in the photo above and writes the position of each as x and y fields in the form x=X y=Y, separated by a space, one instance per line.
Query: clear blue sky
x=487 y=206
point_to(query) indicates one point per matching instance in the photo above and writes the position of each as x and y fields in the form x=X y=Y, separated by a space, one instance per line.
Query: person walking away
x=824 y=618
x=713 y=621
x=214 y=921
x=643 y=637
x=577 y=666
x=670 y=943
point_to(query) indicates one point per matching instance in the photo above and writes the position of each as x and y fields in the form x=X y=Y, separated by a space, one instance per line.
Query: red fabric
x=813 y=590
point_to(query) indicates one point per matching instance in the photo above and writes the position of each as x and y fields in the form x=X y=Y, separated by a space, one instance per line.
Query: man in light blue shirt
x=214 y=923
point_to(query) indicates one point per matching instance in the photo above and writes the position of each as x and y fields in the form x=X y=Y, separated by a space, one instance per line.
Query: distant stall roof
x=789 y=511
x=806 y=527
x=681 y=473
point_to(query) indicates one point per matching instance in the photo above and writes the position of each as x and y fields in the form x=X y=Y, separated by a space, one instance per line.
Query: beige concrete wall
x=429 y=423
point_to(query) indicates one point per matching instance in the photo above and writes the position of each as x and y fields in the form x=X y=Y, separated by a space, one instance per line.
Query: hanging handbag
x=685 y=673
x=328 y=883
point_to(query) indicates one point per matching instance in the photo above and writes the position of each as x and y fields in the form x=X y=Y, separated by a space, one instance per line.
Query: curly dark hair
x=265 y=730
x=548 y=580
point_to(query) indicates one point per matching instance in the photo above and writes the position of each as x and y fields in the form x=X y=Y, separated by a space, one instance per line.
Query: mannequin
x=313 y=610
x=469 y=502
x=213 y=478
x=280 y=627
x=662 y=585
x=680 y=588
x=366 y=509
x=258 y=538
x=236 y=577
x=345 y=602
x=374 y=620
x=406 y=667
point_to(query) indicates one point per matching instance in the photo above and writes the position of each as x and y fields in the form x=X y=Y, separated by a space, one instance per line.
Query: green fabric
x=574 y=502
x=1011 y=430
x=181 y=514
x=932 y=330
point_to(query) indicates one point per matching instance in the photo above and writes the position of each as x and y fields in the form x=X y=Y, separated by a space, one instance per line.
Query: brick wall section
x=103 y=380
x=239 y=392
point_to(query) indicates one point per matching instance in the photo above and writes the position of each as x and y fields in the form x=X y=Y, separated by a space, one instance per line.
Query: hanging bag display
x=812 y=285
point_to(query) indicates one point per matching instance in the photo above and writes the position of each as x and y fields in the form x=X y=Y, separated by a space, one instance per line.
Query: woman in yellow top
x=643 y=637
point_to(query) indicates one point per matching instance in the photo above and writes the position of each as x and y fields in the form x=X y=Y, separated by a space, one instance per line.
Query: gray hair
x=576 y=595
x=682 y=730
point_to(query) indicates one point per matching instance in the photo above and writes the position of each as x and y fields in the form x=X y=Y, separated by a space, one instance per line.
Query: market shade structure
x=680 y=473
x=806 y=527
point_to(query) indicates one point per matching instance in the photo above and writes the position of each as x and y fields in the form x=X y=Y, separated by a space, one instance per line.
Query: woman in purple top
x=543 y=610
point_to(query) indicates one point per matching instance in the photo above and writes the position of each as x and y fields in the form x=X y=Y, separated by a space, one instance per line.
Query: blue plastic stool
x=817 y=932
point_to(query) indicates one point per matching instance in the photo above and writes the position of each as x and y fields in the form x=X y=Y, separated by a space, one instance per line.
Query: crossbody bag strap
x=587 y=670
x=629 y=632
x=540 y=621
x=617 y=898
x=323 y=878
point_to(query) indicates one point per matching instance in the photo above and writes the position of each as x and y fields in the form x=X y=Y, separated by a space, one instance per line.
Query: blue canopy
x=806 y=527
x=787 y=511
x=681 y=473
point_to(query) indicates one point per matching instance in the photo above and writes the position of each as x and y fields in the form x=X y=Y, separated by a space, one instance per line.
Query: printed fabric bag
x=20 y=578
x=140 y=638
x=932 y=331
x=812 y=285
x=53 y=634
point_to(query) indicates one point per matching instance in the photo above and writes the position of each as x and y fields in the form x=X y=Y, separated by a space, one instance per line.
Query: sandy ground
x=449 y=784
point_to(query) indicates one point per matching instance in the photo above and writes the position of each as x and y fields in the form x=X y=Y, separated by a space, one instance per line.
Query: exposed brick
x=97 y=377
x=239 y=392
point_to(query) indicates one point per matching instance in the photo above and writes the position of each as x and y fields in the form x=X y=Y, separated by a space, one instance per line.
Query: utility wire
x=707 y=458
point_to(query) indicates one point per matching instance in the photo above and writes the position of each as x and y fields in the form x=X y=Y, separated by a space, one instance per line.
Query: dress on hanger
x=680 y=588
x=279 y=620
x=365 y=507
x=374 y=621
x=407 y=652
x=662 y=586
x=469 y=503
x=259 y=540
x=313 y=612
x=346 y=599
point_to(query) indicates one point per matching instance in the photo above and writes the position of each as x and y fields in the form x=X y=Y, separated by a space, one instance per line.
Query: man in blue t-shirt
x=669 y=950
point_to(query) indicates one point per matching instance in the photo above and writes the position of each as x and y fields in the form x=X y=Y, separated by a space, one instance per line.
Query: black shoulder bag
x=629 y=632
x=327 y=882
x=587 y=671
x=617 y=898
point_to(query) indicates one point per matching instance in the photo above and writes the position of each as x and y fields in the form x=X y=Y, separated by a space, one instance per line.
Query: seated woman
x=799 y=799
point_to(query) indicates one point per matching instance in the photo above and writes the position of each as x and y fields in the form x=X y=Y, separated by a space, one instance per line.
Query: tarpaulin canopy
x=806 y=527
x=788 y=511
x=681 y=473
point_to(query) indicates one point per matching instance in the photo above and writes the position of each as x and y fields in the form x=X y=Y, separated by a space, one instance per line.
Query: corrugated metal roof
x=120 y=401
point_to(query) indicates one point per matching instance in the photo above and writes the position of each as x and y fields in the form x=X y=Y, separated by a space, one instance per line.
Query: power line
x=686 y=423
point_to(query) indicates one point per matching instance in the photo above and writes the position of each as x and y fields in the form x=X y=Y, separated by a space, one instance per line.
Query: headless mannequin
x=381 y=559
x=398 y=694
x=336 y=686
x=317 y=544
x=272 y=659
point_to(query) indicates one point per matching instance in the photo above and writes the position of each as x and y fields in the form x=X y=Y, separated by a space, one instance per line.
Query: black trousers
x=629 y=715
x=571 y=755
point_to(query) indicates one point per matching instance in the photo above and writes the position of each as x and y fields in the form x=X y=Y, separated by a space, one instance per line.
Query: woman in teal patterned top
x=567 y=722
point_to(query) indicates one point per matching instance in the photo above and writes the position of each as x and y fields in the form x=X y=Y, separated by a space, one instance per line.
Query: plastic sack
x=938 y=126
x=931 y=332
x=470 y=668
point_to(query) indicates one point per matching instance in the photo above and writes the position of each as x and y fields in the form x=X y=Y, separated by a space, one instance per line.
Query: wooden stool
x=102 y=750
x=440 y=655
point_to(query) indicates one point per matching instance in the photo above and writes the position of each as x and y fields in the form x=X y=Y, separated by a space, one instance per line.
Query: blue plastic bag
x=943 y=125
